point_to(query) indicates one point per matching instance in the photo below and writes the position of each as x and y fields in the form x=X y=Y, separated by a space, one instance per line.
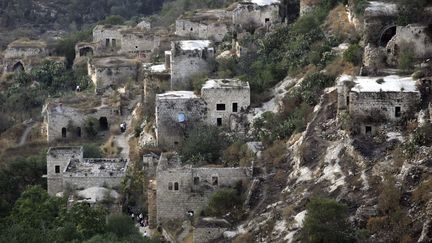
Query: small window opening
x=170 y=186
x=78 y=131
x=114 y=42
x=368 y=129
x=191 y=29
x=219 y=122
x=347 y=100
x=234 y=107
x=107 y=42
x=220 y=107
x=215 y=180
x=64 y=132
x=57 y=169
x=398 y=111
x=176 y=186
x=196 y=180
x=267 y=20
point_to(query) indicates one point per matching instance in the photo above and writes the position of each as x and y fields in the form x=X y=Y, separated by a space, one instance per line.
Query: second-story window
x=220 y=107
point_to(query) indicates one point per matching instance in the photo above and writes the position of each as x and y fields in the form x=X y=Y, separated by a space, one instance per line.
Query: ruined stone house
x=188 y=59
x=374 y=101
x=68 y=169
x=253 y=14
x=66 y=121
x=211 y=25
x=223 y=102
x=183 y=189
x=112 y=72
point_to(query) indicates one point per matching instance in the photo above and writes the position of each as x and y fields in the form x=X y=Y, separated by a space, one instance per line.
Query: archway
x=18 y=67
x=78 y=132
x=103 y=124
x=64 y=132
x=387 y=34
x=86 y=51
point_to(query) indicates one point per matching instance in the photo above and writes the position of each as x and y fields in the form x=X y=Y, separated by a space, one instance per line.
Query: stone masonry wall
x=138 y=45
x=250 y=15
x=207 y=234
x=104 y=77
x=84 y=182
x=205 y=31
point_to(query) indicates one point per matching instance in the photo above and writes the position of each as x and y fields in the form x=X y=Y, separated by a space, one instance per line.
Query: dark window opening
x=18 y=67
x=220 y=107
x=234 y=107
x=219 y=122
x=64 y=132
x=78 y=132
x=387 y=35
x=57 y=169
x=107 y=42
x=170 y=186
x=114 y=42
x=196 y=180
x=347 y=100
x=215 y=180
x=86 y=51
x=176 y=186
x=267 y=20
x=398 y=112
x=111 y=173
x=103 y=124
x=136 y=47
x=368 y=130
x=191 y=29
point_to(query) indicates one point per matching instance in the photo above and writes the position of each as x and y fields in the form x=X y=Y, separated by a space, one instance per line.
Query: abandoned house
x=184 y=189
x=223 y=102
x=373 y=101
x=188 y=59
x=67 y=120
x=112 y=72
x=156 y=80
x=68 y=169
x=24 y=54
x=253 y=14
x=211 y=25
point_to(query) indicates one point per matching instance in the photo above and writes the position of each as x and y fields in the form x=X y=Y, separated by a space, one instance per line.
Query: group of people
x=140 y=219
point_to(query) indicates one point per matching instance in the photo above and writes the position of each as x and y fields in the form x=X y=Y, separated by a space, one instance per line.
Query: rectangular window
x=219 y=122
x=57 y=169
x=215 y=180
x=114 y=42
x=267 y=20
x=107 y=42
x=368 y=130
x=220 y=107
x=170 y=186
x=176 y=186
x=235 y=107
x=347 y=100
x=196 y=181
x=398 y=111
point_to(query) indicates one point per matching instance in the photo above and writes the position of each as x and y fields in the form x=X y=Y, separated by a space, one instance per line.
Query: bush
x=204 y=144
x=92 y=150
x=423 y=135
x=224 y=201
x=353 y=54
x=91 y=127
x=326 y=221
x=406 y=59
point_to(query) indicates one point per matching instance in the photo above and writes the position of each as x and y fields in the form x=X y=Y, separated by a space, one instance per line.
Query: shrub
x=422 y=194
x=92 y=150
x=423 y=135
x=91 y=127
x=406 y=59
x=224 y=201
x=326 y=221
x=354 y=54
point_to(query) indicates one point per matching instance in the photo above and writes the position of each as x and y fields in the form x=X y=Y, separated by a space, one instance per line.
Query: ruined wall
x=185 y=64
x=172 y=204
x=169 y=131
x=22 y=52
x=214 y=31
x=138 y=45
x=59 y=117
x=152 y=206
x=111 y=76
x=80 y=181
x=59 y=156
x=103 y=33
x=207 y=234
x=227 y=97
x=247 y=15
x=368 y=103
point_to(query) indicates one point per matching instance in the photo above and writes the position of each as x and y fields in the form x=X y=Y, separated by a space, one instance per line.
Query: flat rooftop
x=194 y=44
x=177 y=95
x=213 y=15
x=391 y=83
x=158 y=68
x=264 y=2
x=65 y=149
x=377 y=8
x=96 y=166
x=116 y=61
x=225 y=84
x=27 y=43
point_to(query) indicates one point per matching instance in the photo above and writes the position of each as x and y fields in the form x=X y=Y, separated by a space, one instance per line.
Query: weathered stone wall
x=83 y=182
x=368 y=103
x=152 y=208
x=169 y=131
x=227 y=97
x=60 y=116
x=214 y=31
x=136 y=44
x=185 y=64
x=207 y=234
x=248 y=15
x=192 y=194
x=103 y=33
x=22 y=52
x=59 y=156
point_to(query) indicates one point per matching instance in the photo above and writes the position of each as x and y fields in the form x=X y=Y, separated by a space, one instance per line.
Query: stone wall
x=108 y=36
x=169 y=131
x=23 y=52
x=185 y=64
x=214 y=31
x=248 y=16
x=207 y=234
x=83 y=182
x=137 y=44
x=184 y=189
x=60 y=118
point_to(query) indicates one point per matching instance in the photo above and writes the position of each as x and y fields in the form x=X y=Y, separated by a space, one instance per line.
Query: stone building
x=176 y=113
x=211 y=25
x=67 y=120
x=223 y=102
x=253 y=14
x=112 y=72
x=183 y=189
x=227 y=100
x=24 y=54
x=68 y=169
x=373 y=101
x=187 y=59
x=108 y=37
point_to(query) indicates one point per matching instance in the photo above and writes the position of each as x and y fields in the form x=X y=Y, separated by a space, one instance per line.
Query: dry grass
x=337 y=23
x=244 y=238
x=423 y=193
x=275 y=155
x=338 y=66
x=110 y=148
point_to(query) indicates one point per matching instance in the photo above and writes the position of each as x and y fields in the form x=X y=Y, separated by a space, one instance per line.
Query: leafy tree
x=91 y=126
x=204 y=143
x=224 y=201
x=353 y=54
x=92 y=150
x=326 y=221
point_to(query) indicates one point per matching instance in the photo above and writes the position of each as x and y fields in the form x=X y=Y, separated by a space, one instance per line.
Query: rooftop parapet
x=391 y=83
x=225 y=84
x=97 y=167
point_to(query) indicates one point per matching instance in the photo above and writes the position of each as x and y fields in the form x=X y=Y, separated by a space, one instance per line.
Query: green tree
x=91 y=127
x=353 y=54
x=223 y=201
x=92 y=150
x=326 y=221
